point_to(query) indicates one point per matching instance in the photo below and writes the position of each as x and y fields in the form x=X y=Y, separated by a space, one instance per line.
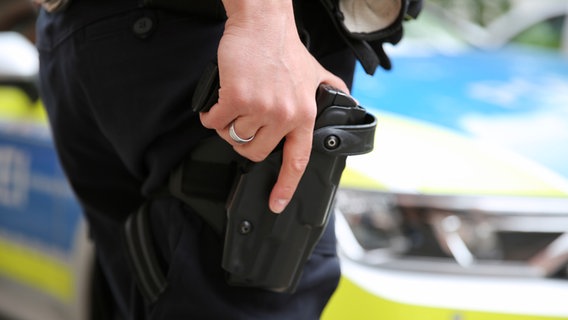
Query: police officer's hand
x=268 y=86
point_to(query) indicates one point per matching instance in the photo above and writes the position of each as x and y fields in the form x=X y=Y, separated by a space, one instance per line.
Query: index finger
x=295 y=158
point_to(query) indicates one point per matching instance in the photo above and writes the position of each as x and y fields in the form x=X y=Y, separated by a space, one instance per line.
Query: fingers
x=296 y=155
x=335 y=81
x=235 y=136
x=255 y=126
x=296 y=149
x=246 y=133
x=218 y=117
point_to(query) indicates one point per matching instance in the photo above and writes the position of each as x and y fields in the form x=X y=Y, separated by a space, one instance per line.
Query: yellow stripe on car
x=354 y=178
x=353 y=302
x=16 y=105
x=412 y=156
x=36 y=269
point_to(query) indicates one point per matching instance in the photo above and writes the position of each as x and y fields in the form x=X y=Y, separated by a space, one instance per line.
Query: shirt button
x=143 y=26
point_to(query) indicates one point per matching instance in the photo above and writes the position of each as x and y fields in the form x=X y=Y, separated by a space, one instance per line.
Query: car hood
x=476 y=122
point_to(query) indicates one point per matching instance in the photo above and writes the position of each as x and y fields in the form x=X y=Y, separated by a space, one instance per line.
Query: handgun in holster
x=263 y=249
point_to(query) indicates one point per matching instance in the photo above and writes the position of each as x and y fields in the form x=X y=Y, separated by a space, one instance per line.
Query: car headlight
x=483 y=235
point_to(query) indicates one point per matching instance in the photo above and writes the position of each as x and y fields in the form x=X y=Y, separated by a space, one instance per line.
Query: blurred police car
x=45 y=257
x=461 y=212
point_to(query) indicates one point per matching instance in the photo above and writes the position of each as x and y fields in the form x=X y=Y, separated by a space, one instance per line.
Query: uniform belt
x=205 y=179
x=203 y=8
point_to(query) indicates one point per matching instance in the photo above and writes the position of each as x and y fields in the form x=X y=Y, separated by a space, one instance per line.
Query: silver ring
x=236 y=137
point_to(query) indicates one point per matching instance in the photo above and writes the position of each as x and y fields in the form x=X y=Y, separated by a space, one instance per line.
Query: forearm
x=257 y=9
x=270 y=23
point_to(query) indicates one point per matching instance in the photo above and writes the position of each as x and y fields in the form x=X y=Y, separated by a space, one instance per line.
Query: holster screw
x=332 y=142
x=245 y=227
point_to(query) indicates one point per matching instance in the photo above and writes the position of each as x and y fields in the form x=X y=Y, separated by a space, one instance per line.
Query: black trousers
x=117 y=81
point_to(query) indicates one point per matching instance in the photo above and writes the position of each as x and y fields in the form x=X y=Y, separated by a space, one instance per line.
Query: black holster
x=230 y=193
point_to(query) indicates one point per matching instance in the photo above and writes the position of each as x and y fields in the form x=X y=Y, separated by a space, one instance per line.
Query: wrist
x=253 y=9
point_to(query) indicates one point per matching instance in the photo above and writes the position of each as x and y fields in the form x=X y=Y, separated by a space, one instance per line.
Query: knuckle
x=297 y=165
x=262 y=107
x=288 y=191
x=240 y=99
x=286 y=109
x=299 y=114
x=210 y=123
x=257 y=156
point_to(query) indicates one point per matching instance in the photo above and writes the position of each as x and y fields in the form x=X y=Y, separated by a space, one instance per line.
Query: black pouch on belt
x=263 y=249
